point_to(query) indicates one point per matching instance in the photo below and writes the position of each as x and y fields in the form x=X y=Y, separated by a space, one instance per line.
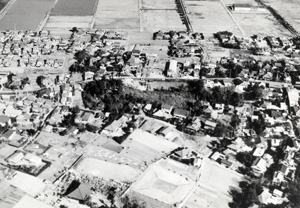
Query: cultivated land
x=256 y=21
x=74 y=7
x=68 y=22
x=209 y=17
x=161 y=15
x=117 y=14
x=25 y=14
x=165 y=20
x=260 y=24
x=289 y=10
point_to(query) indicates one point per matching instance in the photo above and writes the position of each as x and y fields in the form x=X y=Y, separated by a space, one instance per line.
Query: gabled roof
x=4 y=119
x=82 y=191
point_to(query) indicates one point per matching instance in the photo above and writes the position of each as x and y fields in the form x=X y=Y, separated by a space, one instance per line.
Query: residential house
x=4 y=120
x=259 y=166
x=180 y=113
x=8 y=135
x=167 y=108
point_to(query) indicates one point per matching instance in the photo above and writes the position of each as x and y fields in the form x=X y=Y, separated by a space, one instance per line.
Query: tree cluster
x=247 y=195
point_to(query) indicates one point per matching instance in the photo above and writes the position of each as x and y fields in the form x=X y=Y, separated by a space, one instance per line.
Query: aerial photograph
x=149 y=103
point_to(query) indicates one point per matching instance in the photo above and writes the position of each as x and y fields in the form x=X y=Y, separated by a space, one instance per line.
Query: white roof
x=29 y=202
x=16 y=157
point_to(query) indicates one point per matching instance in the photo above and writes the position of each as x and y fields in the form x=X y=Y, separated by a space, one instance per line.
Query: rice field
x=67 y=22
x=289 y=10
x=209 y=17
x=115 y=14
x=165 y=20
x=25 y=14
x=74 y=7
x=160 y=15
x=260 y=24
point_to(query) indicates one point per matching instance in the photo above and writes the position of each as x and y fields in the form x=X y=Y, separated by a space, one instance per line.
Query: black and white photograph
x=149 y=103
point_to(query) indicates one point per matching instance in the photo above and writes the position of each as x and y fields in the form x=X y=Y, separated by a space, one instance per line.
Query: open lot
x=209 y=17
x=25 y=14
x=213 y=187
x=27 y=183
x=103 y=169
x=289 y=10
x=115 y=14
x=10 y=195
x=74 y=7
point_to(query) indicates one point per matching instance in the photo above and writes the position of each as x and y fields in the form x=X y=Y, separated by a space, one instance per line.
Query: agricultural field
x=158 y=4
x=166 y=20
x=74 y=7
x=67 y=22
x=117 y=14
x=160 y=15
x=256 y=21
x=209 y=17
x=25 y=14
x=260 y=24
x=289 y=10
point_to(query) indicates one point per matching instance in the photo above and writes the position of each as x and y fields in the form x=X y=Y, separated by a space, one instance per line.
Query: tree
x=39 y=81
x=237 y=81
x=235 y=121
x=247 y=196
x=253 y=92
x=246 y=158
x=131 y=203
x=236 y=99
x=81 y=55
x=197 y=89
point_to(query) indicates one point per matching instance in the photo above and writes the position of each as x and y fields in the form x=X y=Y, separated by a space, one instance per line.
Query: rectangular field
x=165 y=20
x=158 y=4
x=210 y=17
x=255 y=19
x=160 y=15
x=68 y=22
x=288 y=9
x=115 y=14
x=260 y=24
x=74 y=7
x=25 y=14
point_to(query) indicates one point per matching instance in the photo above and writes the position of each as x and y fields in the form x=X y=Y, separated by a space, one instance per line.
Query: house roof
x=4 y=119
x=82 y=191
x=8 y=133
x=181 y=112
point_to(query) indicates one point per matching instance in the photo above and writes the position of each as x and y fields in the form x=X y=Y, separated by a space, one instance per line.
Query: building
x=5 y=120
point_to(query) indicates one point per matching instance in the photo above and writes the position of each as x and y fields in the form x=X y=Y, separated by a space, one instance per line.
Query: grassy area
x=177 y=99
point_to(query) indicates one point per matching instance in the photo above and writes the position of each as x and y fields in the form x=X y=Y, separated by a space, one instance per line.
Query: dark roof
x=166 y=106
x=283 y=168
x=226 y=162
x=4 y=119
x=81 y=192
x=181 y=112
